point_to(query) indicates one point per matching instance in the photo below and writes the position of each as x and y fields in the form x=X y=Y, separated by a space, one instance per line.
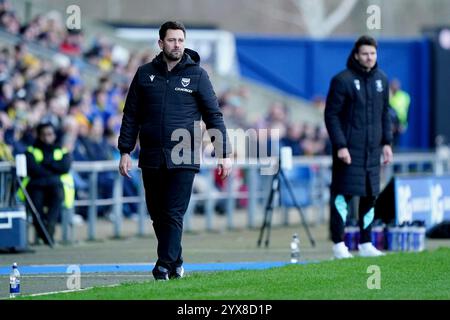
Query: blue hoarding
x=424 y=198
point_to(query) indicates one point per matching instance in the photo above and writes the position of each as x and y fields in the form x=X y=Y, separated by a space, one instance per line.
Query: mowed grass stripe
x=424 y=275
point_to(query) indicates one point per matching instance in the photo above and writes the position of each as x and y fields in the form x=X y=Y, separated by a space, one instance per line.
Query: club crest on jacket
x=185 y=82
x=379 y=85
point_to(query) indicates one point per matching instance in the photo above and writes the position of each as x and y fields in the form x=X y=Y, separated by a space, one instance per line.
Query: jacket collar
x=356 y=67
x=190 y=58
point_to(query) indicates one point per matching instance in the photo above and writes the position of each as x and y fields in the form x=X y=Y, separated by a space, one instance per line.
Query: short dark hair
x=174 y=25
x=364 y=40
x=41 y=126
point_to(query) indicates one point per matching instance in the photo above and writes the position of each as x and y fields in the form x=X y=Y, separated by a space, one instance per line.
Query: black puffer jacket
x=48 y=171
x=356 y=117
x=160 y=102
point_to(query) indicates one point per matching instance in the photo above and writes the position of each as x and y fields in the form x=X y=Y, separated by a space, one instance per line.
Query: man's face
x=173 y=45
x=47 y=135
x=367 y=56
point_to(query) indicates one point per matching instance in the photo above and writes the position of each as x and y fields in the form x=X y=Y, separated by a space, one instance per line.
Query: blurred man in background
x=399 y=101
x=48 y=183
x=358 y=122
x=171 y=92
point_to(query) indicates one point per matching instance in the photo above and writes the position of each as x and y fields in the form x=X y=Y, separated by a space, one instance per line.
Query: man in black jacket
x=166 y=100
x=47 y=170
x=358 y=123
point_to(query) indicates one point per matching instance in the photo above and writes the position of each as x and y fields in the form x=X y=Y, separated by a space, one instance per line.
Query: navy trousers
x=167 y=194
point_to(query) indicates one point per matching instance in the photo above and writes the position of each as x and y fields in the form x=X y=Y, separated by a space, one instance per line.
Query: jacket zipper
x=350 y=123
x=163 y=113
x=366 y=109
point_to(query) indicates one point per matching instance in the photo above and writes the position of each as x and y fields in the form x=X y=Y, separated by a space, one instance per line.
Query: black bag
x=439 y=231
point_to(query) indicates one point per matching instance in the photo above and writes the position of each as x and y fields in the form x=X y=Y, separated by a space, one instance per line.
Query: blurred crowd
x=87 y=118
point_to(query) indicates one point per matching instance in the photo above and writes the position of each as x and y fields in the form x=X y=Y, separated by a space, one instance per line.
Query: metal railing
x=256 y=193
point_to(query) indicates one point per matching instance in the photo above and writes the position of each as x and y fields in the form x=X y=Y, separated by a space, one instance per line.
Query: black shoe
x=160 y=273
x=178 y=273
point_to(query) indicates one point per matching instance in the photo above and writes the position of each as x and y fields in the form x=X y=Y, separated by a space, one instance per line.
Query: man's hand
x=344 y=155
x=125 y=165
x=224 y=167
x=388 y=156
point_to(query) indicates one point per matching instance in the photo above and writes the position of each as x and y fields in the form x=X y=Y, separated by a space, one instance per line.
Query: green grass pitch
x=424 y=275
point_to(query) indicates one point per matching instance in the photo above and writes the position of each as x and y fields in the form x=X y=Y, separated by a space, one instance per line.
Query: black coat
x=357 y=117
x=47 y=172
x=160 y=102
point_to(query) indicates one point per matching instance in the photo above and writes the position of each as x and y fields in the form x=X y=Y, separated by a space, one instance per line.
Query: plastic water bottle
x=295 y=249
x=403 y=236
x=14 y=281
x=417 y=237
x=351 y=235
x=414 y=237
x=377 y=235
x=393 y=233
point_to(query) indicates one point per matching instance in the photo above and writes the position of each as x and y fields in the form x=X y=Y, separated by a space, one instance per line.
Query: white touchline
x=68 y=291
x=90 y=275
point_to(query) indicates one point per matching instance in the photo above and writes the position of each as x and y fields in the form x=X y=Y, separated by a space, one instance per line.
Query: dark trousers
x=52 y=198
x=339 y=210
x=167 y=193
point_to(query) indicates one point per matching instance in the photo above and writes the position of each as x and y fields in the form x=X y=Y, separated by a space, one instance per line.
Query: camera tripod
x=275 y=187
x=39 y=224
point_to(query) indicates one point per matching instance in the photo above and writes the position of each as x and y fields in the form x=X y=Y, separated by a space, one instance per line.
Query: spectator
x=72 y=43
x=48 y=182
x=8 y=20
x=101 y=106
x=5 y=150
x=292 y=139
x=308 y=141
x=6 y=95
x=399 y=101
x=97 y=151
